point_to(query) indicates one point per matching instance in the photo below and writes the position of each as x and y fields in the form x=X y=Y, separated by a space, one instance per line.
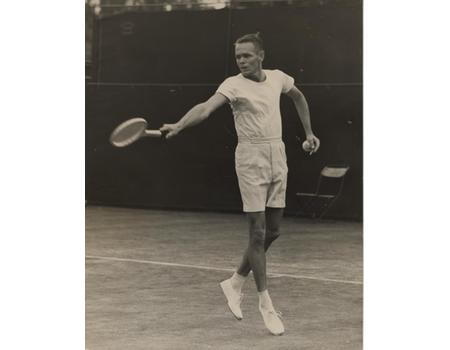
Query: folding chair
x=329 y=188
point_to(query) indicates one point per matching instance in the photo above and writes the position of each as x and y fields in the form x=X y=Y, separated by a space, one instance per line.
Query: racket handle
x=153 y=133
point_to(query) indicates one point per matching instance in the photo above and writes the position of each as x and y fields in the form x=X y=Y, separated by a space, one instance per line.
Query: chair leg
x=327 y=206
x=306 y=206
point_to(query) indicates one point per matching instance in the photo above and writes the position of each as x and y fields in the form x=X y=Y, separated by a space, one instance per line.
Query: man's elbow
x=299 y=98
x=204 y=112
x=296 y=95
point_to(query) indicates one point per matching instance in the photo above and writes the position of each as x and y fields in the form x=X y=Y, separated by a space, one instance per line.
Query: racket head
x=128 y=132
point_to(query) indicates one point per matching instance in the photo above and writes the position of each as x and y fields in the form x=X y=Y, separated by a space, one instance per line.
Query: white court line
x=200 y=267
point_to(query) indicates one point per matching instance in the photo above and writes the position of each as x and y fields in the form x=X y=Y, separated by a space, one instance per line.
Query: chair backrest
x=330 y=171
x=331 y=180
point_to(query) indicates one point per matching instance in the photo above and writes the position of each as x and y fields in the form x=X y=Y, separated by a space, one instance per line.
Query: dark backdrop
x=159 y=64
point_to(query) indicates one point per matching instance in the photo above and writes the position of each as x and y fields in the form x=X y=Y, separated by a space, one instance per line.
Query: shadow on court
x=152 y=282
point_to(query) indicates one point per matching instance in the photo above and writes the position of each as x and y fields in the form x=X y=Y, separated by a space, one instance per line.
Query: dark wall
x=163 y=47
x=158 y=65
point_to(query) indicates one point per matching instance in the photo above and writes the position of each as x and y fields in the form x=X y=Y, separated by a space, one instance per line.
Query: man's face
x=248 y=58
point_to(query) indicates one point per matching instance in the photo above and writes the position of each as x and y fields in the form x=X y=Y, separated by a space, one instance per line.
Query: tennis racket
x=130 y=131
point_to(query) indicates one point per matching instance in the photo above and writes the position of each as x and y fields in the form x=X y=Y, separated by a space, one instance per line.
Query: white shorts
x=262 y=170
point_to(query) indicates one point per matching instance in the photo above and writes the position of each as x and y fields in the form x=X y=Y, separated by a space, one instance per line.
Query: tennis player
x=260 y=160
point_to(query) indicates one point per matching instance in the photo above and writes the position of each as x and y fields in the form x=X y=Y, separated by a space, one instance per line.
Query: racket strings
x=128 y=132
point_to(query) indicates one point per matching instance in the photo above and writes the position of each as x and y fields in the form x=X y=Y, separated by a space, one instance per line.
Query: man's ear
x=261 y=55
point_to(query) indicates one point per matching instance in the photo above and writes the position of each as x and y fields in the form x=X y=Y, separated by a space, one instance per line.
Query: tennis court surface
x=152 y=282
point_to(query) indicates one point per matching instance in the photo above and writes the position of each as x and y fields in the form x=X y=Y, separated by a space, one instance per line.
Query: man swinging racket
x=254 y=97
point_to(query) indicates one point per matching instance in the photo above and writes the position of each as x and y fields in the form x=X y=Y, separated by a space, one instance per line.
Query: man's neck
x=259 y=76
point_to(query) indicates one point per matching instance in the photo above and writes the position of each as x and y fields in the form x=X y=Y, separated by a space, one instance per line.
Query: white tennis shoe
x=233 y=297
x=272 y=320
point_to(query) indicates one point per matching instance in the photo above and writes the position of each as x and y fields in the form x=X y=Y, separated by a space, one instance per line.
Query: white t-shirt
x=256 y=105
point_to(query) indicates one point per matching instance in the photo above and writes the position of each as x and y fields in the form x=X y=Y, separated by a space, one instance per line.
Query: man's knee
x=257 y=237
x=272 y=234
x=257 y=229
x=273 y=220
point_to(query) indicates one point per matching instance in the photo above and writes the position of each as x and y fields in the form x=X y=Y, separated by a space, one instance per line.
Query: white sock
x=237 y=281
x=264 y=300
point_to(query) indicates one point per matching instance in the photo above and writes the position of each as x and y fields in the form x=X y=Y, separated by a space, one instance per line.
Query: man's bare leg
x=257 y=257
x=273 y=218
x=260 y=239
x=255 y=251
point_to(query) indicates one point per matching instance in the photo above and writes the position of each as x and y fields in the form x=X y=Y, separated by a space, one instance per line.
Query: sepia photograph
x=223 y=174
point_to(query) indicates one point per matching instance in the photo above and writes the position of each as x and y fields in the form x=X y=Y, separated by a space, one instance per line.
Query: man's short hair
x=251 y=38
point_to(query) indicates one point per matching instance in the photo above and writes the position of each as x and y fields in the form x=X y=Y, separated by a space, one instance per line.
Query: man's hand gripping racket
x=170 y=130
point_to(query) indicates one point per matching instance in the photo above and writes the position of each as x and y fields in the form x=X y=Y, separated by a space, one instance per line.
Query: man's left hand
x=314 y=143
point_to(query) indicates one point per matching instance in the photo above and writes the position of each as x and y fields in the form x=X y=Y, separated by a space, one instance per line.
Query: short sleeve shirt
x=256 y=105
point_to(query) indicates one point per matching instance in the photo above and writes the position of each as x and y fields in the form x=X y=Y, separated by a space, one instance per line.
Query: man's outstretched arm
x=195 y=115
x=303 y=111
